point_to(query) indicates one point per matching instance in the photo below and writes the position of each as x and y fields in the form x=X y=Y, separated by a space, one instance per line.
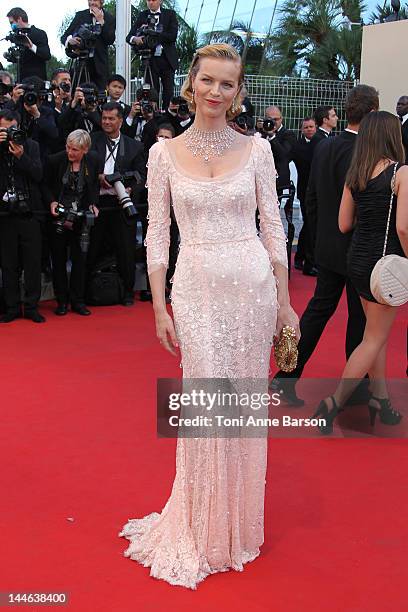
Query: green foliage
x=380 y=13
x=313 y=37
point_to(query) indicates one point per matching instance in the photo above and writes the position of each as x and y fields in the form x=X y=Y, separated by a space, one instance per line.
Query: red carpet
x=78 y=441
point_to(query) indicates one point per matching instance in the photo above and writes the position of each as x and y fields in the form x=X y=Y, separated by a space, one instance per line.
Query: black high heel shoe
x=328 y=416
x=388 y=415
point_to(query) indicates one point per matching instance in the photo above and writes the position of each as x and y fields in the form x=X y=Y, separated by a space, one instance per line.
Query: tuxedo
x=302 y=157
x=164 y=66
x=282 y=148
x=113 y=225
x=54 y=191
x=99 y=64
x=318 y=137
x=78 y=118
x=404 y=130
x=325 y=188
x=35 y=64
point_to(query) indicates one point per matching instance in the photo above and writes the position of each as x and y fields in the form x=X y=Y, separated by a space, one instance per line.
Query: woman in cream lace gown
x=227 y=306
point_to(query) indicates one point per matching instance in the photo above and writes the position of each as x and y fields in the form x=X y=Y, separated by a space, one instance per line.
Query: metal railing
x=296 y=97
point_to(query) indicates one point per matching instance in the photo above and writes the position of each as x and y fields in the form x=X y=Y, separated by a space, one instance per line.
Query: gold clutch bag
x=285 y=348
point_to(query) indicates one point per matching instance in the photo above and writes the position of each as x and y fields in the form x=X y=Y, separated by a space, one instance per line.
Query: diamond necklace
x=208 y=144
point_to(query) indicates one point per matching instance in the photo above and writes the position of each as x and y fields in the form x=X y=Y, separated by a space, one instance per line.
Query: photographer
x=20 y=236
x=117 y=154
x=71 y=192
x=61 y=99
x=178 y=115
x=282 y=142
x=37 y=118
x=32 y=43
x=162 y=28
x=84 y=112
x=6 y=87
x=94 y=39
x=141 y=121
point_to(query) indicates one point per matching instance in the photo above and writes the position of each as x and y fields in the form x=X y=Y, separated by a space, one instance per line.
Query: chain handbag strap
x=390 y=209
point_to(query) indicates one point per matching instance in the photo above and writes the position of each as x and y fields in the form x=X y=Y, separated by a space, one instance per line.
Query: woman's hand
x=165 y=329
x=287 y=316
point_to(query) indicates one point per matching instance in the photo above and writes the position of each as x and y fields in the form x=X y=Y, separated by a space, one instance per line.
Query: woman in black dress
x=365 y=207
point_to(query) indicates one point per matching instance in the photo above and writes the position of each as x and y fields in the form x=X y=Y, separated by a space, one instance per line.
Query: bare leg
x=370 y=355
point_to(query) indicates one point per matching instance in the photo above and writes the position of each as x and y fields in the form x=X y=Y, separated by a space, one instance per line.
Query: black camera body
x=92 y=96
x=118 y=182
x=268 y=124
x=5 y=89
x=33 y=96
x=18 y=37
x=67 y=215
x=88 y=34
x=150 y=34
x=64 y=86
x=14 y=134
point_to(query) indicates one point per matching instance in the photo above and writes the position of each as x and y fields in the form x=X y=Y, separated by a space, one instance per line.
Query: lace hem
x=166 y=565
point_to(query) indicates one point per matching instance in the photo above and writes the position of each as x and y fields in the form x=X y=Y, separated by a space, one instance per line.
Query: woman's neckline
x=206 y=179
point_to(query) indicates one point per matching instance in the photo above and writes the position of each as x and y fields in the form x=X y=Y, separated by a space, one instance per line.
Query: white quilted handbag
x=389 y=277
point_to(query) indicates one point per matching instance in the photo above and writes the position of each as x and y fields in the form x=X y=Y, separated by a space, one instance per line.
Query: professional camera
x=93 y=97
x=88 y=34
x=183 y=109
x=66 y=87
x=150 y=34
x=268 y=124
x=118 y=181
x=18 y=37
x=33 y=95
x=67 y=215
x=5 y=89
x=14 y=134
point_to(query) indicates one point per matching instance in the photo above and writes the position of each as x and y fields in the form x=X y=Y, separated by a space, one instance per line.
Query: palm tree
x=314 y=38
x=381 y=12
x=240 y=36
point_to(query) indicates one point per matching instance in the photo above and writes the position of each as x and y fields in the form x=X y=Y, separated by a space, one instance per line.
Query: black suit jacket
x=106 y=38
x=404 y=129
x=130 y=156
x=302 y=156
x=317 y=138
x=35 y=64
x=325 y=189
x=54 y=170
x=74 y=119
x=28 y=171
x=282 y=149
x=167 y=38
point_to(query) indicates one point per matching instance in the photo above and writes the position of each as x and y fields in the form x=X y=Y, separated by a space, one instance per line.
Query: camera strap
x=113 y=149
x=68 y=180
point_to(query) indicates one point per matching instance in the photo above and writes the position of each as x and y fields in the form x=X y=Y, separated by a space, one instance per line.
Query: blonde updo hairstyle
x=218 y=51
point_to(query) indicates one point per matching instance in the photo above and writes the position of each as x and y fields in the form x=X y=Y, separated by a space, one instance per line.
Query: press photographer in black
x=20 y=235
x=122 y=165
x=84 y=111
x=70 y=191
x=162 y=28
x=282 y=142
x=92 y=42
x=6 y=87
x=37 y=118
x=31 y=43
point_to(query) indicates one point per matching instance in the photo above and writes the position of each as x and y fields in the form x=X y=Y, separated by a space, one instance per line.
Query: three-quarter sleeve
x=272 y=233
x=157 y=239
